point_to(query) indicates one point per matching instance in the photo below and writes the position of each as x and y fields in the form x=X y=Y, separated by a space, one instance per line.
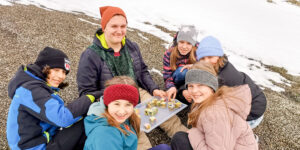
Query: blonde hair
x=221 y=93
x=134 y=120
x=175 y=55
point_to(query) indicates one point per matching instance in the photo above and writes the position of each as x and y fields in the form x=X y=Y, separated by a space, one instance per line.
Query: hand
x=171 y=93
x=186 y=67
x=187 y=96
x=159 y=93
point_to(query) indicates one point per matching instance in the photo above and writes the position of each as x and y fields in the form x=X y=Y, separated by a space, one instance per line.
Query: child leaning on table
x=114 y=125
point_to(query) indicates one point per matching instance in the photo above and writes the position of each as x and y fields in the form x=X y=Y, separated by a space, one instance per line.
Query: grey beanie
x=202 y=77
x=187 y=33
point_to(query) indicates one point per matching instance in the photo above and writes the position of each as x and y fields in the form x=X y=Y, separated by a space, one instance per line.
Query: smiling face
x=120 y=110
x=115 y=30
x=56 y=76
x=199 y=92
x=184 y=47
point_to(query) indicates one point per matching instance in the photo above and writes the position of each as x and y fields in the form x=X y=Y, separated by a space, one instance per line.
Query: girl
x=115 y=125
x=210 y=51
x=179 y=58
x=37 y=111
x=218 y=115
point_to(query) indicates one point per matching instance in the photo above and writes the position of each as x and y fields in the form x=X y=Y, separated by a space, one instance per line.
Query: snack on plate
x=148 y=105
x=163 y=104
x=178 y=104
x=158 y=103
x=152 y=119
x=147 y=126
x=171 y=106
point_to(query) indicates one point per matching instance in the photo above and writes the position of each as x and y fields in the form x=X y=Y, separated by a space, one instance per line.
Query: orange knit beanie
x=107 y=12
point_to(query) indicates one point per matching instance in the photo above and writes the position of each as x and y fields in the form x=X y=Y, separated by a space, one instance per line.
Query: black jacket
x=93 y=71
x=230 y=76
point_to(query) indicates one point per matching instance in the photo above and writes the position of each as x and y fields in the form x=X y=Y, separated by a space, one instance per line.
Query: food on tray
x=171 y=106
x=147 y=126
x=178 y=104
x=163 y=104
x=152 y=119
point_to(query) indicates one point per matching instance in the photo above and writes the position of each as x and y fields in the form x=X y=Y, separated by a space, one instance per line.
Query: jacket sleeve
x=146 y=78
x=89 y=70
x=167 y=72
x=215 y=133
x=52 y=109
x=232 y=77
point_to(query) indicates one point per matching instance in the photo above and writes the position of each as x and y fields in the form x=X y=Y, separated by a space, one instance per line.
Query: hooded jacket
x=223 y=125
x=93 y=70
x=36 y=110
x=111 y=138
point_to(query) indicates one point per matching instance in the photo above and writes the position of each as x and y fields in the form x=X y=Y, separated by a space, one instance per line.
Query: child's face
x=56 y=76
x=184 y=47
x=210 y=59
x=199 y=92
x=120 y=110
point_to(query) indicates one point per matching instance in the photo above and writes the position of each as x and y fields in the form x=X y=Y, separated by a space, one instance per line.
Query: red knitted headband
x=121 y=91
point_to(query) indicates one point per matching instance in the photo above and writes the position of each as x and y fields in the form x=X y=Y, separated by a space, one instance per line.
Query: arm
x=167 y=72
x=88 y=74
x=145 y=75
x=50 y=108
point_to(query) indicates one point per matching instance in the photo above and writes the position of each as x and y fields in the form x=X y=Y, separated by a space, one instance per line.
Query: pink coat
x=221 y=128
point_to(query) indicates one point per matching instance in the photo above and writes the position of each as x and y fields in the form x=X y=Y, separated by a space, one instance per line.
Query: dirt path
x=25 y=30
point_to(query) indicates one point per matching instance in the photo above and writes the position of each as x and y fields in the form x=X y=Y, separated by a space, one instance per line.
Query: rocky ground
x=25 y=30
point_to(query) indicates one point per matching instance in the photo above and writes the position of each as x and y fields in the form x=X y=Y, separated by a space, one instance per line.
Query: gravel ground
x=25 y=30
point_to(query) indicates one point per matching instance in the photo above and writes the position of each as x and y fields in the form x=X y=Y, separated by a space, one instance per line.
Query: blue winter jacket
x=102 y=136
x=93 y=71
x=37 y=111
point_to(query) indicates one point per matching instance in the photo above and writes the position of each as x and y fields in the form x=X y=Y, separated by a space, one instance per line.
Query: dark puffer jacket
x=232 y=77
x=93 y=71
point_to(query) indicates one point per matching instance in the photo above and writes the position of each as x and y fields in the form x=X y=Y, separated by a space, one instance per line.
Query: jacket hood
x=21 y=77
x=97 y=108
x=93 y=121
x=239 y=101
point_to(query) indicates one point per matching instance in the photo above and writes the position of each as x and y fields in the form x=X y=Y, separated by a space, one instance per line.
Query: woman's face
x=210 y=59
x=120 y=110
x=199 y=92
x=184 y=47
x=115 y=29
x=56 y=76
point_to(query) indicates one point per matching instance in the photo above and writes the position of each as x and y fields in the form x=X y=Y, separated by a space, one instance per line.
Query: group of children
x=225 y=103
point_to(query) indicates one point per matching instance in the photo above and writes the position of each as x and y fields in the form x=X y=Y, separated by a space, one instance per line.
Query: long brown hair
x=221 y=93
x=46 y=71
x=175 y=55
x=134 y=120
